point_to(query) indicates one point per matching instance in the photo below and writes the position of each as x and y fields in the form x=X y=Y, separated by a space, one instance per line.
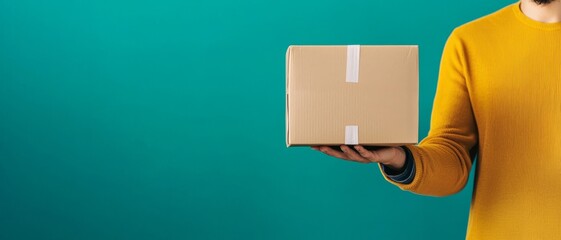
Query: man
x=498 y=96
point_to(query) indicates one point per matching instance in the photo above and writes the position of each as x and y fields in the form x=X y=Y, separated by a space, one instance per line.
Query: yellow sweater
x=498 y=95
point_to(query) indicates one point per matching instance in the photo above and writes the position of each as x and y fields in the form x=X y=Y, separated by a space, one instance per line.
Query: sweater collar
x=531 y=22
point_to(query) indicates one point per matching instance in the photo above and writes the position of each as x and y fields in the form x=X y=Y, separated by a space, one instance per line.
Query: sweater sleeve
x=443 y=159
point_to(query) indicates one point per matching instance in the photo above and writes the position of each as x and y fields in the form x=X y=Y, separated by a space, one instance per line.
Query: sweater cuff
x=404 y=176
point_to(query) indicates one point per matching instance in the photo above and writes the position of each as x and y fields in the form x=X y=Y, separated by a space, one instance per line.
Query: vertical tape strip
x=351 y=135
x=353 y=61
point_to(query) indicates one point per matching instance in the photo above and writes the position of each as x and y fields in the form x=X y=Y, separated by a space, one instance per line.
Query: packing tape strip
x=353 y=61
x=351 y=135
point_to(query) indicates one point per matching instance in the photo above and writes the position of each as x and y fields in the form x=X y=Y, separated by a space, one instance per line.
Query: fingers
x=352 y=155
x=380 y=155
x=346 y=154
x=371 y=156
x=334 y=153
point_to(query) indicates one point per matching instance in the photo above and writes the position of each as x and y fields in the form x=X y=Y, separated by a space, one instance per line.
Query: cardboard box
x=365 y=95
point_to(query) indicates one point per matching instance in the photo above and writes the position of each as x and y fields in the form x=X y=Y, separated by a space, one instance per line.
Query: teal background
x=165 y=120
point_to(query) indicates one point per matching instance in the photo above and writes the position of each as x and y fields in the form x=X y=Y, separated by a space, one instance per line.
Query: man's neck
x=547 y=13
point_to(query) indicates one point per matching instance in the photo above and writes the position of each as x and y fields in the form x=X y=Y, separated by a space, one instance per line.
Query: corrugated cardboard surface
x=320 y=103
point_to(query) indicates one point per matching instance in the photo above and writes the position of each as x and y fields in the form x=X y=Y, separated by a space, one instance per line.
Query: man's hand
x=393 y=157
